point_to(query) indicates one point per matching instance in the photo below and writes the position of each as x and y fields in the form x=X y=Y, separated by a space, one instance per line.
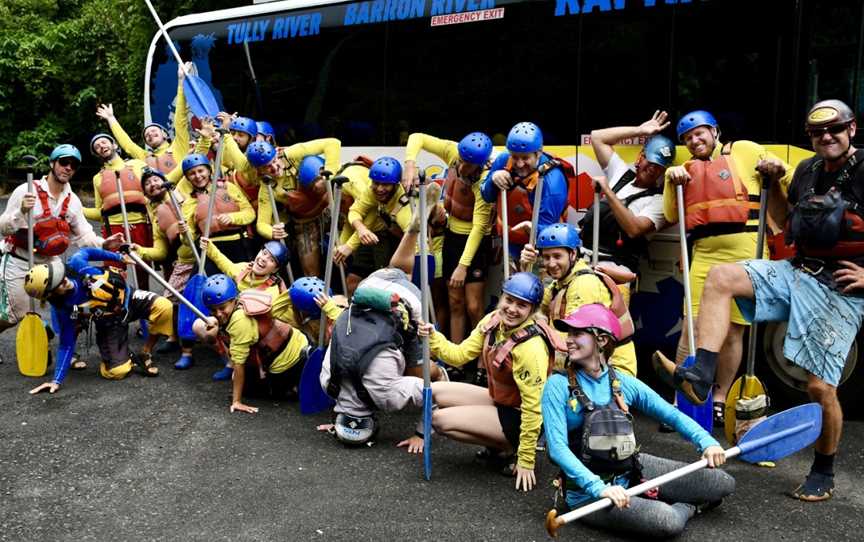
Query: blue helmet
x=659 y=150
x=278 y=251
x=164 y=130
x=695 y=119
x=310 y=169
x=386 y=170
x=193 y=160
x=100 y=136
x=560 y=235
x=524 y=286
x=525 y=137
x=475 y=148
x=64 y=150
x=245 y=125
x=218 y=289
x=265 y=128
x=260 y=153
x=303 y=293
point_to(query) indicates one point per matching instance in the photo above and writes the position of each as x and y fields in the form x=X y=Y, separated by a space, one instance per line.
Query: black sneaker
x=817 y=487
x=168 y=347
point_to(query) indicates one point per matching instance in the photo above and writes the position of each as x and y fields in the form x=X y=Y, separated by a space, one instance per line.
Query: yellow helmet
x=44 y=278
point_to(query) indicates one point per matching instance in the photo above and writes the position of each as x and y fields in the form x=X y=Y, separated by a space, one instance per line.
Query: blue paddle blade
x=185 y=317
x=199 y=97
x=312 y=398
x=782 y=434
x=427 y=433
x=701 y=414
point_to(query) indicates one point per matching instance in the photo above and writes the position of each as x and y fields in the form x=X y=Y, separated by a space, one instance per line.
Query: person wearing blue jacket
x=589 y=434
x=517 y=171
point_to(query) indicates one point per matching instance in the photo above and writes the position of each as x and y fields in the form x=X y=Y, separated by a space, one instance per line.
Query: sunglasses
x=834 y=129
x=68 y=162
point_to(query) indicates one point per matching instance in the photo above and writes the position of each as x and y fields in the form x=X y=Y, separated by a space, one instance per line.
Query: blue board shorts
x=823 y=323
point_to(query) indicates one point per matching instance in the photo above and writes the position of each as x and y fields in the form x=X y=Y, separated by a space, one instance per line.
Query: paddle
x=182 y=221
x=312 y=396
x=199 y=97
x=268 y=182
x=424 y=309
x=254 y=79
x=595 y=232
x=748 y=386
x=127 y=233
x=535 y=219
x=31 y=339
x=702 y=414
x=161 y=280
x=505 y=235
x=772 y=439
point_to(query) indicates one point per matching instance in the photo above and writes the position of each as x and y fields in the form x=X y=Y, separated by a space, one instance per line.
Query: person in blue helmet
x=244 y=131
x=590 y=436
x=517 y=171
x=265 y=132
x=309 y=300
x=631 y=208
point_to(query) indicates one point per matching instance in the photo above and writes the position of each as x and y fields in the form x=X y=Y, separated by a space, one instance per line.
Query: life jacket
x=250 y=188
x=164 y=162
x=167 y=220
x=612 y=239
x=558 y=305
x=224 y=204
x=830 y=225
x=458 y=195
x=51 y=234
x=306 y=202
x=108 y=293
x=519 y=208
x=498 y=362
x=389 y=217
x=605 y=442
x=133 y=197
x=347 y=200
x=273 y=280
x=273 y=334
x=716 y=202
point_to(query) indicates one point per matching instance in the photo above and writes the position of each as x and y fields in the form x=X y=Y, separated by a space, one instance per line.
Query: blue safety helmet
x=265 y=128
x=475 y=148
x=562 y=235
x=525 y=137
x=386 y=170
x=64 y=150
x=278 y=251
x=659 y=150
x=100 y=136
x=260 y=153
x=164 y=130
x=218 y=289
x=245 y=125
x=310 y=169
x=695 y=119
x=193 y=160
x=524 y=286
x=303 y=293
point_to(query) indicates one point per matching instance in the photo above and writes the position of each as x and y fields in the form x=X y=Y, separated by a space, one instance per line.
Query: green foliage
x=59 y=59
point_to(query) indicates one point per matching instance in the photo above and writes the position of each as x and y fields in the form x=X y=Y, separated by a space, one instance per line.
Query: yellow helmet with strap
x=44 y=278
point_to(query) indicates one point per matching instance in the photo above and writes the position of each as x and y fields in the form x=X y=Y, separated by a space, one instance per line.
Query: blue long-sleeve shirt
x=62 y=307
x=560 y=418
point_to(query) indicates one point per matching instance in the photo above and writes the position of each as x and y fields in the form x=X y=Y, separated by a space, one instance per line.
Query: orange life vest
x=498 y=362
x=558 y=305
x=167 y=220
x=51 y=234
x=163 y=162
x=458 y=195
x=273 y=334
x=715 y=195
x=133 y=197
x=224 y=204
x=248 y=187
x=307 y=202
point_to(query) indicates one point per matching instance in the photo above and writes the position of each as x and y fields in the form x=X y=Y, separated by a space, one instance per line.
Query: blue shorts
x=822 y=322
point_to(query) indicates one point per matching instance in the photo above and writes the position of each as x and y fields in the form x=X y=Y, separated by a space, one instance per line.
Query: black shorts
x=370 y=258
x=511 y=422
x=112 y=332
x=454 y=245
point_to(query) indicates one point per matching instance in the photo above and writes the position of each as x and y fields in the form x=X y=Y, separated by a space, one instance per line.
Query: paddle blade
x=701 y=414
x=782 y=434
x=427 y=433
x=31 y=346
x=199 y=97
x=312 y=398
x=185 y=317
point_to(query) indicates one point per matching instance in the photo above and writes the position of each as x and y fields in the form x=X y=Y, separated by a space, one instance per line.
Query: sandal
x=145 y=364
x=816 y=487
x=719 y=414
x=77 y=364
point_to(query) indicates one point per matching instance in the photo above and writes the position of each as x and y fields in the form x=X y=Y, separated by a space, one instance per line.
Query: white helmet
x=353 y=431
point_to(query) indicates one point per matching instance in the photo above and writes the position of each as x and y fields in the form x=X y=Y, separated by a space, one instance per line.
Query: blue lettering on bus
x=297 y=25
x=378 y=11
x=445 y=7
x=254 y=31
x=575 y=7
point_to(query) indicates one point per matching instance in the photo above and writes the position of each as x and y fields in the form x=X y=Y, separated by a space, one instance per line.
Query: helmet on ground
x=303 y=293
x=694 y=119
x=164 y=130
x=561 y=235
x=524 y=286
x=260 y=153
x=218 y=289
x=265 y=128
x=827 y=113
x=525 y=137
x=64 y=150
x=310 y=169
x=475 y=148
x=278 y=251
x=353 y=431
x=659 y=150
x=595 y=318
x=386 y=170
x=194 y=160
x=245 y=125
x=44 y=278
x=98 y=136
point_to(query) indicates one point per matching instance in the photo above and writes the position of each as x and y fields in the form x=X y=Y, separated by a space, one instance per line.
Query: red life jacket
x=51 y=234
x=498 y=362
x=248 y=187
x=133 y=196
x=307 y=202
x=558 y=305
x=163 y=162
x=224 y=204
x=458 y=195
x=167 y=220
x=716 y=196
x=273 y=334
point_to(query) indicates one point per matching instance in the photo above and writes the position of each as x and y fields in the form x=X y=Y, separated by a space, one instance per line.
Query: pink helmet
x=594 y=316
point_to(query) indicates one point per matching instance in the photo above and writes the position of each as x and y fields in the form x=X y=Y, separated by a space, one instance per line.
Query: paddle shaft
x=133 y=278
x=189 y=238
x=685 y=271
x=277 y=220
x=424 y=280
x=216 y=174
x=595 y=232
x=30 y=232
x=760 y=247
x=535 y=211
x=505 y=235
x=335 y=198
x=254 y=78
x=161 y=280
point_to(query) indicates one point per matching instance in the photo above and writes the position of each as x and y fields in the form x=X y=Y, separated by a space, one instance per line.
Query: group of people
x=554 y=354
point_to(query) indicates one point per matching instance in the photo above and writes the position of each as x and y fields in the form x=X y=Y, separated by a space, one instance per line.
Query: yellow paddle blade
x=31 y=346
x=752 y=388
